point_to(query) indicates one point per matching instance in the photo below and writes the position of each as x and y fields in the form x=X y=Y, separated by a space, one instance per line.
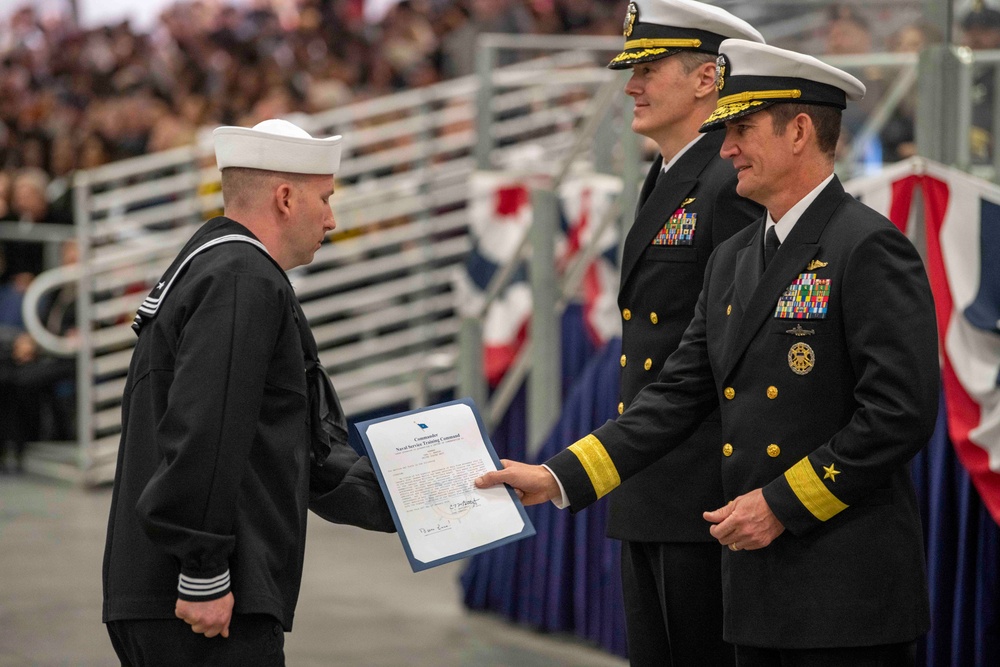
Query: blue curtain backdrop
x=567 y=578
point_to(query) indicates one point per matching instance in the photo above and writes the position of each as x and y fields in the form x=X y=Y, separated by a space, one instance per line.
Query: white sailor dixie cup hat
x=656 y=29
x=751 y=77
x=276 y=145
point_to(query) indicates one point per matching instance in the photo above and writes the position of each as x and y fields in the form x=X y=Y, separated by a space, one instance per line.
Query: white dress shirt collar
x=681 y=152
x=784 y=226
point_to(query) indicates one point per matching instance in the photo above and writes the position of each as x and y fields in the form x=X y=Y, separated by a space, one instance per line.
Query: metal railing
x=538 y=358
x=379 y=295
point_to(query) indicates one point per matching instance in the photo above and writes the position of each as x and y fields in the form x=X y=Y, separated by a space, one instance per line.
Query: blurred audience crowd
x=73 y=98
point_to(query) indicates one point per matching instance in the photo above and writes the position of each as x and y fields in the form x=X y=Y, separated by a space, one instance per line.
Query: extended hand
x=207 y=618
x=534 y=484
x=745 y=523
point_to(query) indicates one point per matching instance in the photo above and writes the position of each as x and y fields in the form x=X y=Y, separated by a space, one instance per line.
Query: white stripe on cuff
x=202 y=587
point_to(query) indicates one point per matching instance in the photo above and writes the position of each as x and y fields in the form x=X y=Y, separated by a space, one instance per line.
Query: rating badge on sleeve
x=805 y=299
x=679 y=229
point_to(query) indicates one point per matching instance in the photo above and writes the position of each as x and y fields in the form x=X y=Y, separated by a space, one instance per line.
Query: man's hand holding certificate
x=427 y=461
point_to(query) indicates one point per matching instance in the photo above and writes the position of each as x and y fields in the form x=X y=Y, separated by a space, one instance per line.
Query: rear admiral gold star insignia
x=816 y=264
x=831 y=472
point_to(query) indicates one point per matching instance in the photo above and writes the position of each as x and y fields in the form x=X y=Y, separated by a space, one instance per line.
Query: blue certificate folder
x=422 y=422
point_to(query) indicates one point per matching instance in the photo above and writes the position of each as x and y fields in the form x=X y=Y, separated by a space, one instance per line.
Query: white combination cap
x=276 y=145
x=751 y=77
x=656 y=29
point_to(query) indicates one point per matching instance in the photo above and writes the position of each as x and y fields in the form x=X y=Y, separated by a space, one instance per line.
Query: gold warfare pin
x=816 y=264
x=799 y=331
x=801 y=358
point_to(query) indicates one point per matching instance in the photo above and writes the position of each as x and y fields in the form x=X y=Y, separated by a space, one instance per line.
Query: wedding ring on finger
x=734 y=547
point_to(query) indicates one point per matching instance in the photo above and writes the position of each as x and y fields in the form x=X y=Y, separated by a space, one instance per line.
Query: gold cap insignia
x=816 y=264
x=801 y=358
x=630 y=17
x=720 y=72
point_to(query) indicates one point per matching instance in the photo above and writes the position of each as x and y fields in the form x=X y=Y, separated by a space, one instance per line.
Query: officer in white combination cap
x=231 y=429
x=815 y=332
x=671 y=565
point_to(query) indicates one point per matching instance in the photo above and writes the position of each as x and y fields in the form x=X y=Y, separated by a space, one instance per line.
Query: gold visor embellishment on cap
x=731 y=110
x=635 y=55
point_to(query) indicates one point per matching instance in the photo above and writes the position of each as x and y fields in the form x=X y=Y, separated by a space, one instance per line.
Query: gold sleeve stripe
x=597 y=464
x=812 y=492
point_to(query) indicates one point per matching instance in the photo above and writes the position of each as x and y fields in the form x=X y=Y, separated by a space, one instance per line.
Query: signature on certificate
x=441 y=527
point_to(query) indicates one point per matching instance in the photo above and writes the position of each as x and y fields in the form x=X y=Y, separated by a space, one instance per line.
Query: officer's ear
x=802 y=130
x=705 y=85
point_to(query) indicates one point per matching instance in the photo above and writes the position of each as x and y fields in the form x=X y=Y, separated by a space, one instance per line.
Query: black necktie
x=771 y=244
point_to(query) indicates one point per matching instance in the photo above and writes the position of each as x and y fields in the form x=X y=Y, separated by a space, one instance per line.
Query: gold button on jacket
x=626 y=314
x=773 y=451
x=623 y=361
x=772 y=392
x=727 y=449
x=621 y=408
x=730 y=393
x=648 y=364
x=653 y=318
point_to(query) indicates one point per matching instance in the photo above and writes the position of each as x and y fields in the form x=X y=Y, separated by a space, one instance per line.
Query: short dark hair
x=692 y=60
x=825 y=119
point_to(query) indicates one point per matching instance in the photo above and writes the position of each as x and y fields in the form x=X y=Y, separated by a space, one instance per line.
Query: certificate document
x=427 y=461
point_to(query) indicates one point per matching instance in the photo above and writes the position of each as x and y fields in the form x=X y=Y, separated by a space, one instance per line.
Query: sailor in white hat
x=231 y=428
x=815 y=336
x=281 y=161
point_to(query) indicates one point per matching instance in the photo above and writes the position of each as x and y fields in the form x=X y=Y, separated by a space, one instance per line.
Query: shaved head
x=242 y=187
